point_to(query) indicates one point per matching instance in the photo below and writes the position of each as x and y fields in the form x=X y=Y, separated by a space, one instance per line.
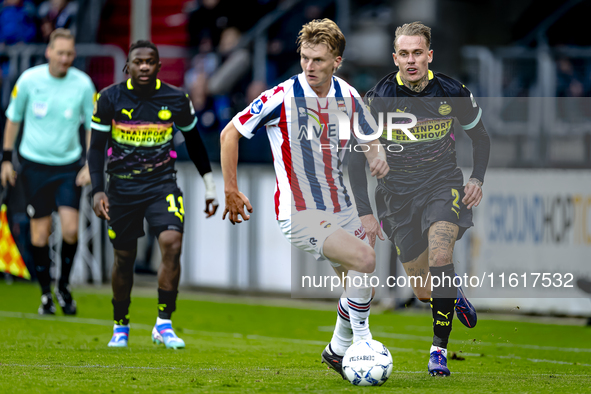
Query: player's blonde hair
x=413 y=29
x=325 y=32
x=60 y=33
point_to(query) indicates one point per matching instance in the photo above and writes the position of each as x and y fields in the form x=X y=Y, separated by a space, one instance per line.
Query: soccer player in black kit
x=135 y=119
x=422 y=203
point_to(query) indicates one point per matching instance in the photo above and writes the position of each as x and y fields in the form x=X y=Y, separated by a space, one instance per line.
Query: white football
x=367 y=363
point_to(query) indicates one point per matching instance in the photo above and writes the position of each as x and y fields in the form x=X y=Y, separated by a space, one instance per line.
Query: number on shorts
x=455 y=204
x=178 y=211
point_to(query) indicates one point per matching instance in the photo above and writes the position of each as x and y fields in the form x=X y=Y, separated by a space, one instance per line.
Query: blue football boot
x=163 y=333
x=120 y=336
x=438 y=364
x=464 y=310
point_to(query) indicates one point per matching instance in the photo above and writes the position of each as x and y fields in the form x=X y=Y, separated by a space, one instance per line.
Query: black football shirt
x=429 y=160
x=141 y=148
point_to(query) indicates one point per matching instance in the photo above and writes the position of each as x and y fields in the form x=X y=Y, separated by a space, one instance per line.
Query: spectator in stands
x=17 y=22
x=57 y=13
x=567 y=82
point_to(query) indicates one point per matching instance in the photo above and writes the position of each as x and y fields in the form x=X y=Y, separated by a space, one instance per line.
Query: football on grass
x=367 y=363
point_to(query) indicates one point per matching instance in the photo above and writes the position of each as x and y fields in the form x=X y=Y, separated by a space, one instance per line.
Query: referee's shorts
x=49 y=187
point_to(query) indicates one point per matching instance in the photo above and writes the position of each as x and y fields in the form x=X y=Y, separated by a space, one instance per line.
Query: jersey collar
x=130 y=86
x=400 y=80
x=308 y=92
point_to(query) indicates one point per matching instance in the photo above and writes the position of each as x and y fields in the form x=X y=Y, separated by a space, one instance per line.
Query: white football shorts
x=307 y=230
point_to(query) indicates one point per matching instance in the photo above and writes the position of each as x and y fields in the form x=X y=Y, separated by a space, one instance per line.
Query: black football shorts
x=406 y=221
x=163 y=208
x=49 y=187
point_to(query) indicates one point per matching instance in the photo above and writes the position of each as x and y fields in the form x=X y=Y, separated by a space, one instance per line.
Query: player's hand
x=8 y=174
x=379 y=168
x=473 y=193
x=83 y=177
x=211 y=207
x=372 y=228
x=100 y=205
x=235 y=202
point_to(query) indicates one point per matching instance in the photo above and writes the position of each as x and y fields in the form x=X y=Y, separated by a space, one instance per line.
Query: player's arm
x=14 y=117
x=263 y=111
x=374 y=152
x=235 y=200
x=480 y=155
x=469 y=115
x=198 y=154
x=358 y=179
x=102 y=119
x=10 y=133
x=90 y=97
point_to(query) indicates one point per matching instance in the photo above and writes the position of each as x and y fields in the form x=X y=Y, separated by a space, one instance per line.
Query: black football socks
x=443 y=299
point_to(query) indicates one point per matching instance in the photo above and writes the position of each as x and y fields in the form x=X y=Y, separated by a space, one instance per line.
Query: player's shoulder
x=386 y=87
x=169 y=90
x=345 y=86
x=79 y=76
x=450 y=85
x=34 y=73
x=277 y=93
x=282 y=88
x=112 y=91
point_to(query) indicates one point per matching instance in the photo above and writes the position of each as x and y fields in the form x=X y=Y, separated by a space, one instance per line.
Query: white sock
x=342 y=335
x=119 y=326
x=160 y=321
x=437 y=348
x=359 y=301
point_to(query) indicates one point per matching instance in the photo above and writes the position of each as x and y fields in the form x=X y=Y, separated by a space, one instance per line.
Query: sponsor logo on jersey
x=425 y=130
x=325 y=224
x=256 y=107
x=143 y=134
x=14 y=92
x=313 y=241
x=164 y=113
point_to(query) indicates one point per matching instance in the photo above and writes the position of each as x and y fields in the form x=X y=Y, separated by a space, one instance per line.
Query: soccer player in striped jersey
x=312 y=205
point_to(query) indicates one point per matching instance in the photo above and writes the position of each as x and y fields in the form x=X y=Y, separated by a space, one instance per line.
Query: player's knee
x=70 y=234
x=439 y=259
x=171 y=243
x=366 y=260
x=124 y=260
x=40 y=238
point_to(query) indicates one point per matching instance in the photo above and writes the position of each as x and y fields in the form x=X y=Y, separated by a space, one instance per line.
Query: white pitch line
x=468 y=342
x=273 y=369
x=79 y=320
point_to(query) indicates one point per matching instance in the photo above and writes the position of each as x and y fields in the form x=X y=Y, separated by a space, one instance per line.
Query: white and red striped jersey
x=308 y=170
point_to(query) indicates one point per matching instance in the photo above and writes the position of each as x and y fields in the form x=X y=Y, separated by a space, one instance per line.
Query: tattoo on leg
x=442 y=237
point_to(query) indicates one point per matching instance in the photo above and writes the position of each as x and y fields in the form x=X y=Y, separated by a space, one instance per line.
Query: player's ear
x=430 y=55
x=337 y=62
x=394 y=58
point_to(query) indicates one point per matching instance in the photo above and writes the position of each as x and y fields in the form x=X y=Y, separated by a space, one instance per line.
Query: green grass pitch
x=246 y=345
